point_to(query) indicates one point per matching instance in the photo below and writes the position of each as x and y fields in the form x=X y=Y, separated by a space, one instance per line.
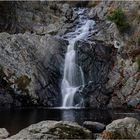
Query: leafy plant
x=138 y=62
x=118 y=17
x=139 y=40
x=22 y=82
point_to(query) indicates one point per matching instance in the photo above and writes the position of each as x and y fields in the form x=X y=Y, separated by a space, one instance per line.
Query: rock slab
x=53 y=130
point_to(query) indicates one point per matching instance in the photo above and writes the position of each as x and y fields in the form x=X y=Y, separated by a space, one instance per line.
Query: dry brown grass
x=93 y=3
x=106 y=135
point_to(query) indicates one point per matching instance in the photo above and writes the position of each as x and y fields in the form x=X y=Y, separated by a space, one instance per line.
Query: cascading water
x=73 y=75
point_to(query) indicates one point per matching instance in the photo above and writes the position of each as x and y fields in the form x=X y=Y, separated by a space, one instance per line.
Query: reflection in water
x=15 y=120
x=68 y=115
x=79 y=116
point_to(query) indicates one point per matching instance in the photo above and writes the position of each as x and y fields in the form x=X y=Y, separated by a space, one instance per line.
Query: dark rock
x=41 y=57
x=95 y=59
x=95 y=127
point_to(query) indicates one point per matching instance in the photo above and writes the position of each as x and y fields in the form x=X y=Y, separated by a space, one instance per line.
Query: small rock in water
x=95 y=127
x=3 y=133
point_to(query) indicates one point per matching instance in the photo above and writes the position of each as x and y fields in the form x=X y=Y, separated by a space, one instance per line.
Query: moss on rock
x=23 y=82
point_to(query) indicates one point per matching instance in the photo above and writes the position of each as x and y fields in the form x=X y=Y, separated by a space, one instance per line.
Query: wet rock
x=134 y=101
x=53 y=130
x=95 y=127
x=6 y=99
x=3 y=133
x=127 y=128
x=95 y=59
x=65 y=8
x=98 y=12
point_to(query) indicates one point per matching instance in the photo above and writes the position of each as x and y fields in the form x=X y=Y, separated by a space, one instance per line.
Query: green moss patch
x=119 y=18
x=23 y=82
x=138 y=62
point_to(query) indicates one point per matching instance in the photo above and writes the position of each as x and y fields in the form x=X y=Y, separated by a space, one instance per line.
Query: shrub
x=93 y=3
x=22 y=82
x=138 y=62
x=139 y=40
x=118 y=17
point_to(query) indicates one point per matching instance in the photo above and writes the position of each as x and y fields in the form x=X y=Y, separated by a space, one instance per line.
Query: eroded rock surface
x=127 y=128
x=32 y=63
x=53 y=130
x=31 y=67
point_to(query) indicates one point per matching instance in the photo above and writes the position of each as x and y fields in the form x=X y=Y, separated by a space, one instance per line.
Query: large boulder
x=3 y=133
x=126 y=128
x=53 y=130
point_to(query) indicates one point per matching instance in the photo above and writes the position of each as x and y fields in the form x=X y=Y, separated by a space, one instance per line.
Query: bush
x=138 y=62
x=118 y=17
x=139 y=40
x=22 y=82
x=93 y=3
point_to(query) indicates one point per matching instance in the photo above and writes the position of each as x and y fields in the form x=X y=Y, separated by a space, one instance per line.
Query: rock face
x=127 y=128
x=32 y=55
x=124 y=76
x=32 y=63
x=30 y=16
x=39 y=17
x=31 y=68
x=3 y=133
x=96 y=58
x=53 y=130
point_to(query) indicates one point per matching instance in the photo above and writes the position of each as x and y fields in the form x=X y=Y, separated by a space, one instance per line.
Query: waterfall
x=73 y=75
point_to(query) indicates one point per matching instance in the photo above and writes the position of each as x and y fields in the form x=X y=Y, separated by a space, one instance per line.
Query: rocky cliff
x=32 y=53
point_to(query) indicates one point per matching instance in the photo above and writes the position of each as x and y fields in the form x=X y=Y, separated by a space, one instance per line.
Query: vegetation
x=110 y=135
x=118 y=17
x=139 y=41
x=93 y=3
x=138 y=62
x=22 y=82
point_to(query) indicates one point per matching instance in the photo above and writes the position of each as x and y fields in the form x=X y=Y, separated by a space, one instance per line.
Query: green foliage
x=118 y=17
x=139 y=40
x=138 y=62
x=93 y=4
x=22 y=82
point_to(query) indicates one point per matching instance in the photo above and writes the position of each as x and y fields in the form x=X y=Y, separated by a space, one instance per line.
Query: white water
x=73 y=75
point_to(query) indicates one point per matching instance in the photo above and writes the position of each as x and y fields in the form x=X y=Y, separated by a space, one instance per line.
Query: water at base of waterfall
x=22 y=118
x=73 y=75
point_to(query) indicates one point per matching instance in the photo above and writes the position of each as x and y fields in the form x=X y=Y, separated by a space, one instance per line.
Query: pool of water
x=17 y=119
